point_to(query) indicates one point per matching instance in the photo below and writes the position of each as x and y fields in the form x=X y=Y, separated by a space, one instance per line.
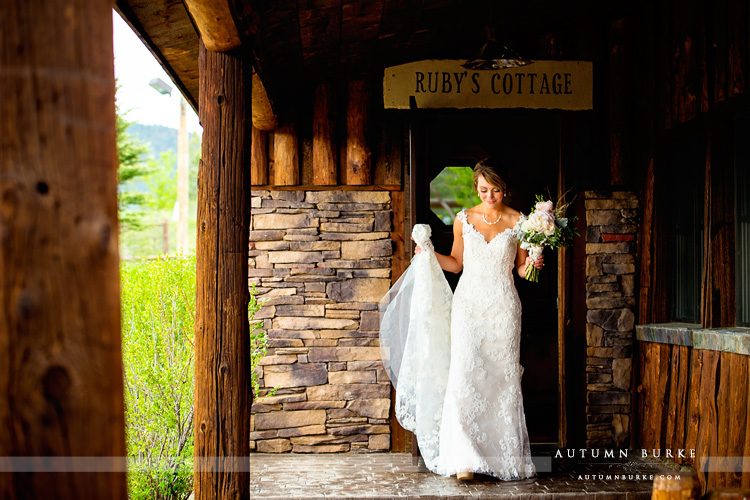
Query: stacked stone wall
x=321 y=260
x=611 y=244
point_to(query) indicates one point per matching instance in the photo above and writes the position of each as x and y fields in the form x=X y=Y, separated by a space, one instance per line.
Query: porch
x=391 y=475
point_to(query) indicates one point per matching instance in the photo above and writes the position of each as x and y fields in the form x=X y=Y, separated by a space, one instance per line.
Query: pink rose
x=545 y=206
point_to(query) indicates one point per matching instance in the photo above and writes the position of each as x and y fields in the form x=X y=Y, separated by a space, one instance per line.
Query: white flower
x=544 y=206
x=540 y=222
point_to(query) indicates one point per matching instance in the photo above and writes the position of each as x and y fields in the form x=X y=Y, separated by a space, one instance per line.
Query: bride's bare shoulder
x=514 y=215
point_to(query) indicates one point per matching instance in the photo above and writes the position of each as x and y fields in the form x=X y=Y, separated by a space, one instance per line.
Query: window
x=742 y=200
x=685 y=254
x=452 y=191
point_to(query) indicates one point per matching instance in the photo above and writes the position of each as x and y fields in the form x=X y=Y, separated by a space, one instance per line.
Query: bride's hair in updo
x=494 y=173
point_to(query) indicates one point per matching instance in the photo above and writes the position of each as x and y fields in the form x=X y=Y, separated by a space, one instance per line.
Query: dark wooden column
x=222 y=356
x=61 y=385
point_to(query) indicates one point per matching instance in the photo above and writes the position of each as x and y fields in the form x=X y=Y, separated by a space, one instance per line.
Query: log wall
x=694 y=406
x=338 y=135
x=692 y=383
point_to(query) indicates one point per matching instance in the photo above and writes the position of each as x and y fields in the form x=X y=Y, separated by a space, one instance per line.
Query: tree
x=162 y=182
x=129 y=153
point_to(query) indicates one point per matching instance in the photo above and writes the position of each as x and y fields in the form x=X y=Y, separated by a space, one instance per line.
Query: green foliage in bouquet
x=564 y=232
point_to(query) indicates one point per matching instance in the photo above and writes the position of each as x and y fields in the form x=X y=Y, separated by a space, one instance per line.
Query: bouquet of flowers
x=545 y=226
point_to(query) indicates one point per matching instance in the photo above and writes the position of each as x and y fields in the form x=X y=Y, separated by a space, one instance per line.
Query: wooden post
x=222 y=356
x=324 y=130
x=358 y=156
x=285 y=156
x=61 y=385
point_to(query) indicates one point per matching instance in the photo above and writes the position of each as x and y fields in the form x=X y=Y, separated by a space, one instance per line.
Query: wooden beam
x=168 y=33
x=324 y=132
x=286 y=156
x=215 y=23
x=222 y=356
x=358 y=156
x=264 y=117
x=61 y=385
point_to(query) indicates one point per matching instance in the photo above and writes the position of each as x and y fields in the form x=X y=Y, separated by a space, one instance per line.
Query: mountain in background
x=158 y=138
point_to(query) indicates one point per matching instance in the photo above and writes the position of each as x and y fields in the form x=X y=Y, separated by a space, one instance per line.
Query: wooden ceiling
x=298 y=41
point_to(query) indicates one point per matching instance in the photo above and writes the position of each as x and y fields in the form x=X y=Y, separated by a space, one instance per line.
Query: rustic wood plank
x=722 y=414
x=694 y=404
x=389 y=164
x=61 y=385
x=324 y=134
x=682 y=400
x=673 y=398
x=286 y=155
x=259 y=157
x=662 y=395
x=738 y=400
x=644 y=390
x=358 y=154
x=706 y=444
x=647 y=248
x=222 y=358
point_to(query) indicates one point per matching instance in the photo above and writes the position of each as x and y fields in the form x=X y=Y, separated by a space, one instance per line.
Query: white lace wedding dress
x=455 y=365
x=483 y=427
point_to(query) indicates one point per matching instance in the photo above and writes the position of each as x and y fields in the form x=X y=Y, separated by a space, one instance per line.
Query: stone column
x=611 y=229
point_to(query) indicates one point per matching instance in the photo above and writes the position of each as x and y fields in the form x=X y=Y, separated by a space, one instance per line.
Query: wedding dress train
x=459 y=388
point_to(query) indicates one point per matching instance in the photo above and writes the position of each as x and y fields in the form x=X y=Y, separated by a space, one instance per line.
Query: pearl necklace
x=491 y=223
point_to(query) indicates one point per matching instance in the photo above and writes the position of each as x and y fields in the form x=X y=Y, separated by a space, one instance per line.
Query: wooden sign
x=445 y=84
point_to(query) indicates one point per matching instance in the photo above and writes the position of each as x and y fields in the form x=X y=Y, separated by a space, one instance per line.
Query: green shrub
x=258 y=341
x=158 y=319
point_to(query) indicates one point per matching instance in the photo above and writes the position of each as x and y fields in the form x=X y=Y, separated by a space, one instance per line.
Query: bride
x=459 y=376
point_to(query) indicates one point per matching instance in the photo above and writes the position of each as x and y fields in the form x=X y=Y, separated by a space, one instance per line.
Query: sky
x=135 y=67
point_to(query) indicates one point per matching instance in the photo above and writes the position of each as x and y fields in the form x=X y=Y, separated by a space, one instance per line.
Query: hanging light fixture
x=493 y=55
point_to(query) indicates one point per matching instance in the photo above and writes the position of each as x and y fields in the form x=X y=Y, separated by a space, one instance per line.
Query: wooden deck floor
x=385 y=476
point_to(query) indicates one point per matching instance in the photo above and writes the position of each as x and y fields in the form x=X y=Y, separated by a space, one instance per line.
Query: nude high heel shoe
x=465 y=476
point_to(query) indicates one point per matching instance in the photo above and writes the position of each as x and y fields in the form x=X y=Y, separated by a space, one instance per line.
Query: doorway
x=446 y=144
